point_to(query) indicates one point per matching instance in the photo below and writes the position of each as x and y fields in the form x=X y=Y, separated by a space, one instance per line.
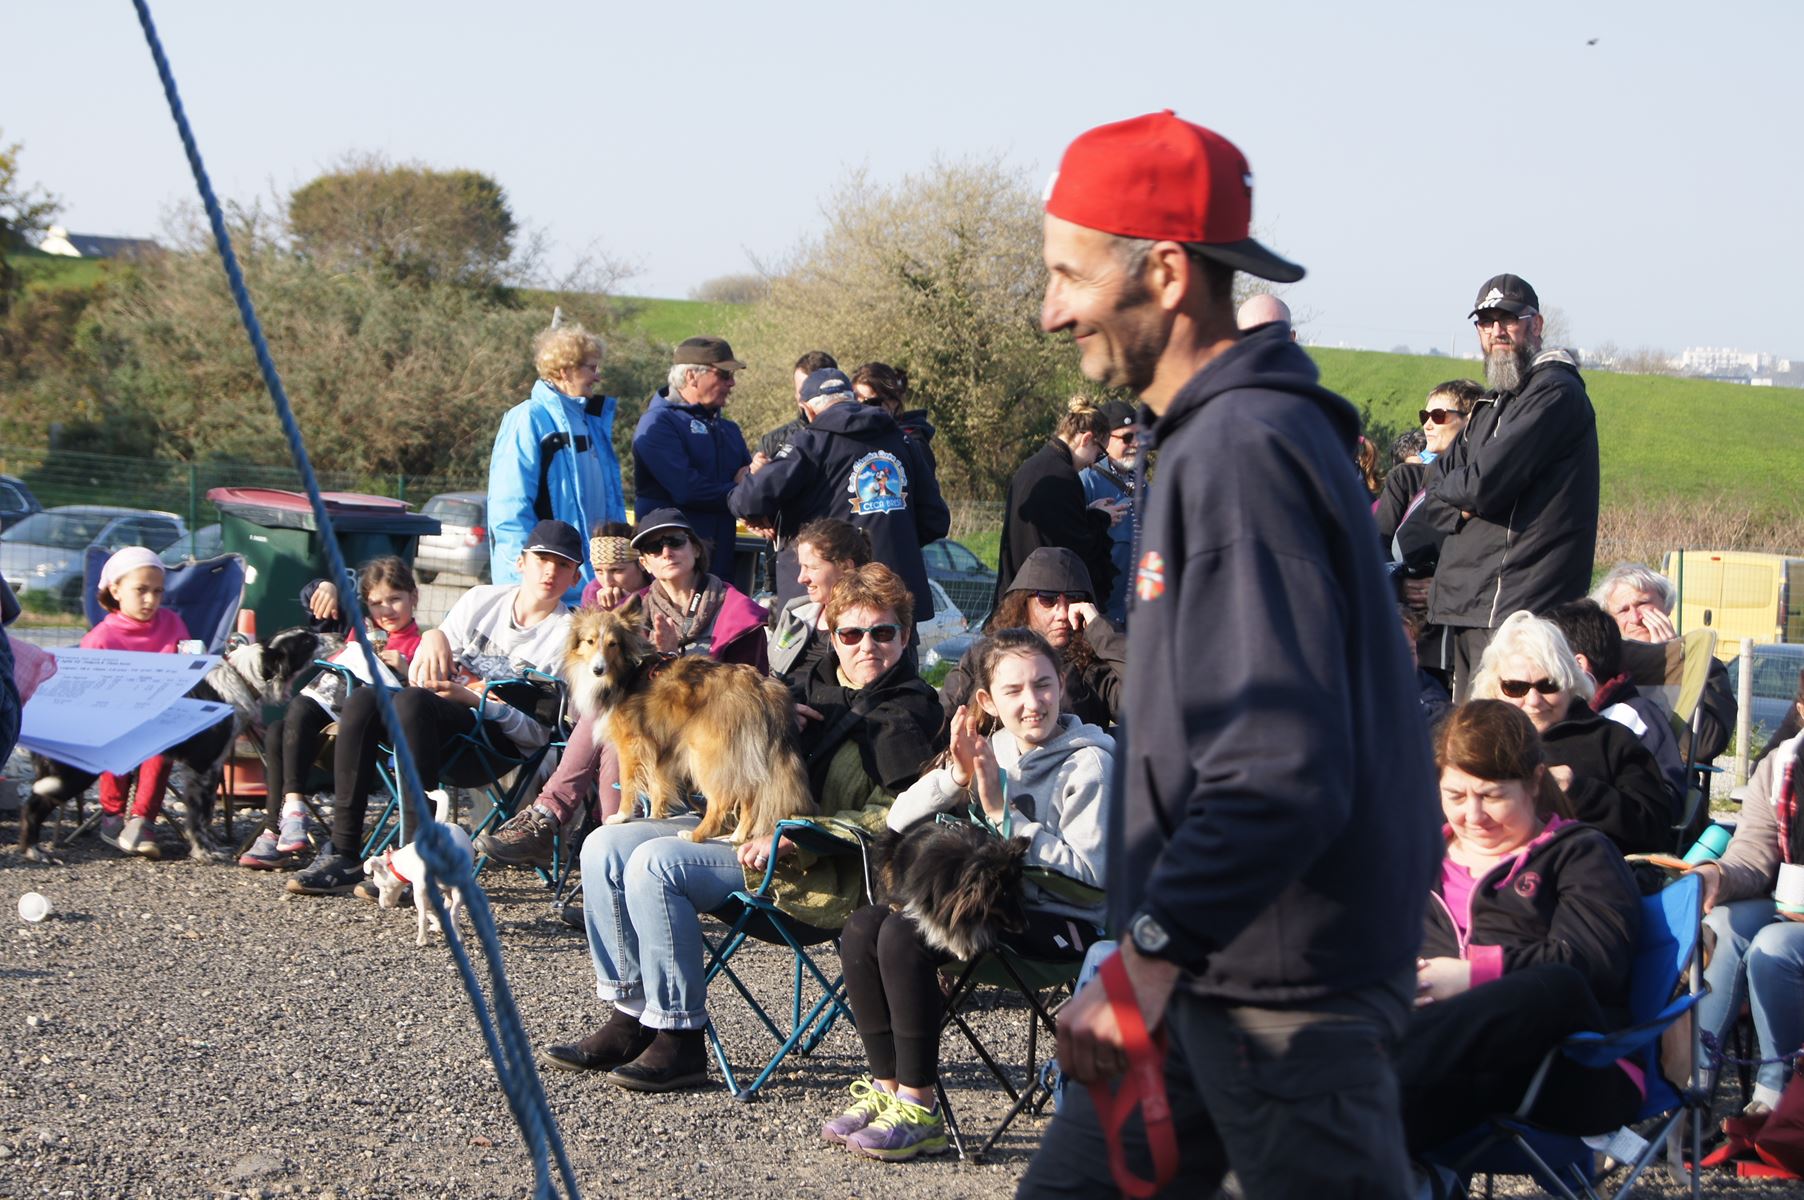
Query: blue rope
x=503 y=1032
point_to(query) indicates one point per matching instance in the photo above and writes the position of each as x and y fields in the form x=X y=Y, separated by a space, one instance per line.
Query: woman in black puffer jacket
x=1530 y=937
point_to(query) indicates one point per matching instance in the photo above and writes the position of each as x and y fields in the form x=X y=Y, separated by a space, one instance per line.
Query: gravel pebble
x=191 y=1030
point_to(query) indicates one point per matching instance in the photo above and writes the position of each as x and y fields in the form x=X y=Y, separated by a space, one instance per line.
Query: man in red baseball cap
x=1273 y=840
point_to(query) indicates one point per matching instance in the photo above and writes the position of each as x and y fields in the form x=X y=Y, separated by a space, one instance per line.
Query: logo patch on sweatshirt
x=878 y=484
x=1527 y=884
x=1149 y=581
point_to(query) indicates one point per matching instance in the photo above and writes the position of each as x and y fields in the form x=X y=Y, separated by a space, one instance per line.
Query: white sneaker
x=291 y=837
x=139 y=837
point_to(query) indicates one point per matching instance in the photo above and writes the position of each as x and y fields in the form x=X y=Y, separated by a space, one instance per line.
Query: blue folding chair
x=1665 y=957
x=473 y=761
x=205 y=594
x=755 y=916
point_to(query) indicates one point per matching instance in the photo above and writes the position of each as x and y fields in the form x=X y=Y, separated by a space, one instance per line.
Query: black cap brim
x=1508 y=306
x=1249 y=256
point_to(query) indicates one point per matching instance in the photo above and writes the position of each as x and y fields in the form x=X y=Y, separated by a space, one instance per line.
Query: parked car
x=462 y=544
x=950 y=650
x=947 y=622
x=970 y=584
x=1776 y=667
x=42 y=555
x=205 y=542
x=16 y=501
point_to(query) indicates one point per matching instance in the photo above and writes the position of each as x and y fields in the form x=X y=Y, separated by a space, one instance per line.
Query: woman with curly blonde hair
x=554 y=453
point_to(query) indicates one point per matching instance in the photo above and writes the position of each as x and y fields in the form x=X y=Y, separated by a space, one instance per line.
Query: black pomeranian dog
x=251 y=675
x=960 y=884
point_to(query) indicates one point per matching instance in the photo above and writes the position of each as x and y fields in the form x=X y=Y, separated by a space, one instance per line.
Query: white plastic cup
x=1790 y=893
x=33 y=907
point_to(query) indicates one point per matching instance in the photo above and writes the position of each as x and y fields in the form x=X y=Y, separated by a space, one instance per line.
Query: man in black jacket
x=1520 y=485
x=853 y=463
x=1273 y=837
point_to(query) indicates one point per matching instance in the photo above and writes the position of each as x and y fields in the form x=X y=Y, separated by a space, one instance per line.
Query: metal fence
x=166 y=507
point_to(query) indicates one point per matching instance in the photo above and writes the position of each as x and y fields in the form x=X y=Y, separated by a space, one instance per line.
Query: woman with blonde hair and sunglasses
x=1611 y=780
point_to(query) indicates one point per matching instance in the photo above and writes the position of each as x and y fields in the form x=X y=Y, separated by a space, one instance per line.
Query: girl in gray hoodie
x=1042 y=776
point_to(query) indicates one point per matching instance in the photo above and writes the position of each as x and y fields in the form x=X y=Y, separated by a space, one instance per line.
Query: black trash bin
x=276 y=533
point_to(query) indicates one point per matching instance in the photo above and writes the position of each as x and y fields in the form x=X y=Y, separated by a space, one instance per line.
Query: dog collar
x=388 y=860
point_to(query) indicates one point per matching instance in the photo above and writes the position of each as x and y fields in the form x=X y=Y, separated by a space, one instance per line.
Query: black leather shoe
x=676 y=1061
x=619 y=1041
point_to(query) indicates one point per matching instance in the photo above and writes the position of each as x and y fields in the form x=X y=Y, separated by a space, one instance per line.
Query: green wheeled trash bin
x=283 y=550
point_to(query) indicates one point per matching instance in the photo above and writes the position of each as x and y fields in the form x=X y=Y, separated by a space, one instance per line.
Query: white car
x=947 y=622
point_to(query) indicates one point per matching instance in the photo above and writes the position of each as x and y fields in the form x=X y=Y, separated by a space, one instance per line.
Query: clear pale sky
x=1648 y=185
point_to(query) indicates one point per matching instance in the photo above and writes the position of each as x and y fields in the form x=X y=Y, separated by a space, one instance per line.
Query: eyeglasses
x=1051 y=599
x=1440 y=416
x=1124 y=435
x=723 y=373
x=1501 y=319
x=658 y=545
x=1515 y=689
x=851 y=635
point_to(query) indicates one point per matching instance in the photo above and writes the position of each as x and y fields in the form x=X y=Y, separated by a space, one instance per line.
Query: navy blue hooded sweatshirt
x=854 y=463
x=1278 y=813
x=685 y=457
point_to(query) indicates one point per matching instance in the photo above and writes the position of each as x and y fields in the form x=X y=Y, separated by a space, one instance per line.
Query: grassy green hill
x=1661 y=437
x=674 y=320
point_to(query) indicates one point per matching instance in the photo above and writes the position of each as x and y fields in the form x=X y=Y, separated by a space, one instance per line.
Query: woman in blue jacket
x=554 y=453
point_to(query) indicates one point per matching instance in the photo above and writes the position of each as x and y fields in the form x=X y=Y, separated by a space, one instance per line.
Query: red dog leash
x=1142 y=1087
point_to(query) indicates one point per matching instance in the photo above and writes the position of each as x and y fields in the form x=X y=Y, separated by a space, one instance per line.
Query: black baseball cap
x=706 y=352
x=1119 y=414
x=1507 y=293
x=661 y=520
x=557 y=538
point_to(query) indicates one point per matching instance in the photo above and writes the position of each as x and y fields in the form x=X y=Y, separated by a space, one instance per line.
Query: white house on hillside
x=92 y=245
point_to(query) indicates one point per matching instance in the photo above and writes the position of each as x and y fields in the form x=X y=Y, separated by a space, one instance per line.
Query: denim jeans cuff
x=611 y=991
x=657 y=1018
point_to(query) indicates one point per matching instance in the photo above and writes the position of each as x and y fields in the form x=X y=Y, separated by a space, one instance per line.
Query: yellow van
x=1739 y=594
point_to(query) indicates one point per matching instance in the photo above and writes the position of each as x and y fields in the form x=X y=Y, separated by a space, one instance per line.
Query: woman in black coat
x=1529 y=937
x=1046 y=504
x=1611 y=780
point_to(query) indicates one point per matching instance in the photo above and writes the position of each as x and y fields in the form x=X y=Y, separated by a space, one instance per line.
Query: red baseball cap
x=1162 y=178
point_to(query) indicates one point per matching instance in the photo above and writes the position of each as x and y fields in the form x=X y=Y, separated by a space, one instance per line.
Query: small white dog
x=395 y=869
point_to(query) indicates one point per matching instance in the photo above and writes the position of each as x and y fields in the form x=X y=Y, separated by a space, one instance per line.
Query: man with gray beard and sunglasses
x=1519 y=485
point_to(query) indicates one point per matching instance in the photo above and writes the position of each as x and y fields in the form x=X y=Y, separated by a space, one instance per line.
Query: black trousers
x=892 y=981
x=429 y=722
x=289 y=748
x=1298 y=1101
x=1464 y=1060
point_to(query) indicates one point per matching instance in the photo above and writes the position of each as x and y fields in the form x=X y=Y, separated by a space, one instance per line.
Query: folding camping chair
x=1665 y=958
x=474 y=762
x=1034 y=981
x=205 y=594
x=754 y=915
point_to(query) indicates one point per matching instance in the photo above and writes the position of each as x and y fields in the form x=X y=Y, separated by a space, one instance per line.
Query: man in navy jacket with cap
x=1273 y=834
x=686 y=455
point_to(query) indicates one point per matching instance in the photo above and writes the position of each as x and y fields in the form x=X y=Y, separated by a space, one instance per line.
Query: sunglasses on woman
x=675 y=541
x=1515 y=689
x=1051 y=599
x=851 y=635
x=1440 y=416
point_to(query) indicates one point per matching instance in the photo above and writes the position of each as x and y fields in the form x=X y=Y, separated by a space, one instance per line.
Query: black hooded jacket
x=1525 y=468
x=854 y=463
x=1047 y=507
x=1616 y=784
x=1277 y=811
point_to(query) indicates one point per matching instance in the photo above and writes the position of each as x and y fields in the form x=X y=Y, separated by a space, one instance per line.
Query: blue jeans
x=644 y=889
x=1761 y=959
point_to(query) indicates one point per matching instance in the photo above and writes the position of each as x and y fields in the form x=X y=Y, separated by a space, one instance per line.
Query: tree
x=24 y=212
x=940 y=275
x=732 y=289
x=408 y=220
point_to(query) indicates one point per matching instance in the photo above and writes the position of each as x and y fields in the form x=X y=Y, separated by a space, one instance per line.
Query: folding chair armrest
x=1602 y=1049
x=1074 y=891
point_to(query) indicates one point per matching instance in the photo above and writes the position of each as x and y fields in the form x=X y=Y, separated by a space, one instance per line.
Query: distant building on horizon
x=1720 y=362
x=60 y=241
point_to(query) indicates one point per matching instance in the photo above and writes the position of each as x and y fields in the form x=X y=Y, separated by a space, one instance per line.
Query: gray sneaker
x=527 y=839
x=110 y=829
x=868 y=1100
x=140 y=837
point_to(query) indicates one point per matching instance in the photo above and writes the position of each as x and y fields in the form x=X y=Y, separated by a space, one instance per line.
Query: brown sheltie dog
x=687 y=724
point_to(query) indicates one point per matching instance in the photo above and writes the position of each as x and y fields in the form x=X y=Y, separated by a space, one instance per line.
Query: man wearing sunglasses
x=1275 y=833
x=686 y=455
x=1518 y=486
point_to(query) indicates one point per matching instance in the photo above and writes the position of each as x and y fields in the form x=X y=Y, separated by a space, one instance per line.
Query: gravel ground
x=189 y=1030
